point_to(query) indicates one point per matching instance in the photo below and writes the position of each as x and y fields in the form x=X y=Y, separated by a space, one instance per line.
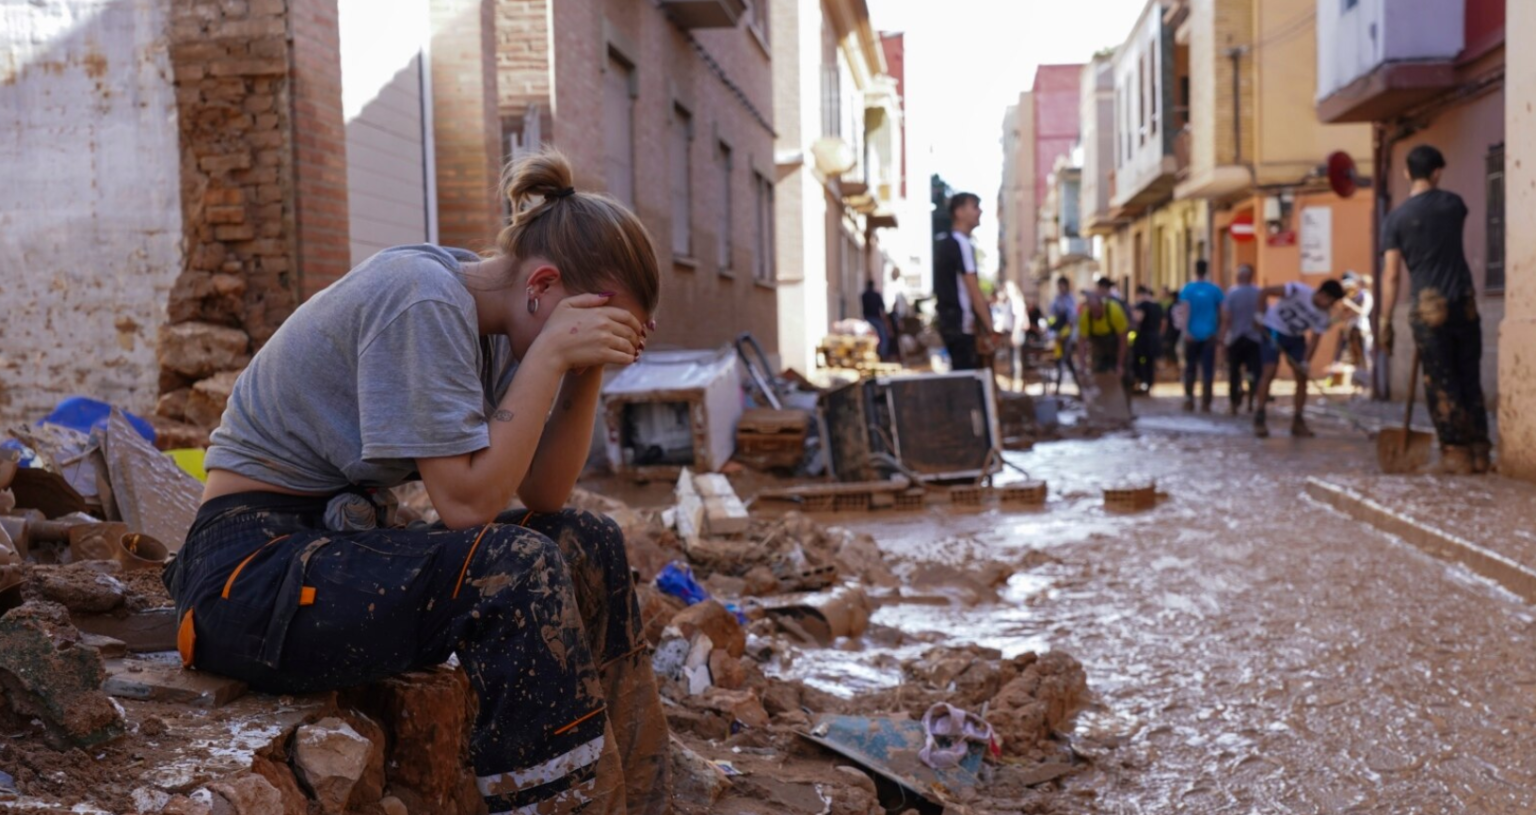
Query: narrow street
x=1248 y=649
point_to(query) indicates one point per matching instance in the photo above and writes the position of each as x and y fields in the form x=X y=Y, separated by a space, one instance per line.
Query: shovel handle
x=1413 y=387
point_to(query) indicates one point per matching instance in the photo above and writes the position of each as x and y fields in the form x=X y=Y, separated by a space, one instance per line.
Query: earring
x=533 y=305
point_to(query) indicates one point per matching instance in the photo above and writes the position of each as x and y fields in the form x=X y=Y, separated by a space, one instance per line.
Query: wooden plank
x=899 y=483
x=150 y=682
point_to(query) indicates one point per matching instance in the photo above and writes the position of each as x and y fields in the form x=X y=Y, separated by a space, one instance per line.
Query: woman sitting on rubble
x=482 y=376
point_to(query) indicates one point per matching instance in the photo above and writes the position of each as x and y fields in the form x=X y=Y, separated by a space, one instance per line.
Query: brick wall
x=263 y=190
x=466 y=122
x=523 y=69
x=702 y=305
x=320 y=146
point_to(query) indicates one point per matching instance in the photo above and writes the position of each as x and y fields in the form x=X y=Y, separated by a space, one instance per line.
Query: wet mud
x=1245 y=648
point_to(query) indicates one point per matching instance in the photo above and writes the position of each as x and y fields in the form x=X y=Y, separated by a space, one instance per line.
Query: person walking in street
x=1063 y=328
x=1170 y=301
x=1201 y=301
x=1355 y=337
x=1104 y=326
x=1148 y=347
x=873 y=306
x=1423 y=237
x=1243 y=335
x=964 y=314
x=1294 y=323
x=481 y=377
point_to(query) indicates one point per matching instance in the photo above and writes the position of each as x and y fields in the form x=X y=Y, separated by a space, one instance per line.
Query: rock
x=295 y=802
x=370 y=787
x=781 y=697
x=148 y=799
x=721 y=585
x=738 y=705
x=725 y=671
x=80 y=586
x=393 y=806
x=173 y=405
x=197 y=350
x=858 y=778
x=428 y=714
x=657 y=610
x=247 y=794
x=182 y=805
x=46 y=673
x=205 y=404
x=695 y=780
x=761 y=582
x=171 y=435
x=330 y=757
x=711 y=618
x=855 y=801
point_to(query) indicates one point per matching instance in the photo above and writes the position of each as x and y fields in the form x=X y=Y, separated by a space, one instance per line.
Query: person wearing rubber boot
x=1105 y=328
x=1293 y=324
x=1423 y=237
x=480 y=377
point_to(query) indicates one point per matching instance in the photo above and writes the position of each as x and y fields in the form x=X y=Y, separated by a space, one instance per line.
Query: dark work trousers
x=1199 y=354
x=1146 y=352
x=962 y=352
x=534 y=605
x=1244 y=353
x=1451 y=355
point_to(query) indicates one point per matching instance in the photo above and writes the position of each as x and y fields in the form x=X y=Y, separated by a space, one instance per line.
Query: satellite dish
x=1343 y=177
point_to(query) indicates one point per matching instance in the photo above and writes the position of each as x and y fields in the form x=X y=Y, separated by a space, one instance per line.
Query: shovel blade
x=1403 y=451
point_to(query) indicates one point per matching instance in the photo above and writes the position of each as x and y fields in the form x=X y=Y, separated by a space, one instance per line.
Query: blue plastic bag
x=677 y=580
x=85 y=414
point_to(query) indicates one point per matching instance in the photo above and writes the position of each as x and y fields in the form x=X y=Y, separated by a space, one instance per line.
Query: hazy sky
x=967 y=61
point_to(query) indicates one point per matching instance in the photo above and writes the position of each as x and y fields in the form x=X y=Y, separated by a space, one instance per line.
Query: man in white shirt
x=1293 y=324
x=962 y=309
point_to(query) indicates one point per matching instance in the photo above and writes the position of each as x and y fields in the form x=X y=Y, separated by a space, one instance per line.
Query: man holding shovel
x=1424 y=234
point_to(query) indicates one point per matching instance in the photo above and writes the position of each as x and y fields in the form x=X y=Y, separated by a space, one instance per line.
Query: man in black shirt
x=1148 y=348
x=1424 y=235
x=962 y=310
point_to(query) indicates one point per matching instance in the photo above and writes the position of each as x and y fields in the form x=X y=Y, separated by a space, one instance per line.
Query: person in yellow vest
x=1103 y=330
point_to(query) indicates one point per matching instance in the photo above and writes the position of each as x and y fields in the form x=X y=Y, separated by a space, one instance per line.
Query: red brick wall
x=701 y=306
x=466 y=126
x=522 y=61
x=320 y=146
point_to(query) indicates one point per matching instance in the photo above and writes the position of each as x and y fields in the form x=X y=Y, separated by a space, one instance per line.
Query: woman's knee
x=589 y=538
x=518 y=553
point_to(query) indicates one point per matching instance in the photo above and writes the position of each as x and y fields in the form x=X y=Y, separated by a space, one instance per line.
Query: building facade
x=838 y=164
x=1517 y=331
x=1430 y=74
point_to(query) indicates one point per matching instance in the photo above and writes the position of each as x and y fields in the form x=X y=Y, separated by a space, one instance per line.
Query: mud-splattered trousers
x=539 y=608
x=1449 y=336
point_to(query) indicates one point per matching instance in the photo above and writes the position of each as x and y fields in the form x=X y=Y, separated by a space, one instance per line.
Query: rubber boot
x=1205 y=404
x=1300 y=430
x=602 y=795
x=1456 y=460
x=1189 y=404
x=1482 y=458
x=1260 y=427
x=639 y=729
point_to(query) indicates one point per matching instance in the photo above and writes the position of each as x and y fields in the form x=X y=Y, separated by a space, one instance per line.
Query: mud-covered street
x=1248 y=649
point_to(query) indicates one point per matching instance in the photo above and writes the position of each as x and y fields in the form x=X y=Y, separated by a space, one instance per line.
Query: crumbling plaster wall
x=90 y=211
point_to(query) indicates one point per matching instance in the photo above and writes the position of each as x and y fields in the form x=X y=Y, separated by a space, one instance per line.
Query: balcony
x=1373 y=65
x=1182 y=144
x=691 y=14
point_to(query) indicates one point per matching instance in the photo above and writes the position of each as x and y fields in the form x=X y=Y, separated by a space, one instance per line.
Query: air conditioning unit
x=692 y=14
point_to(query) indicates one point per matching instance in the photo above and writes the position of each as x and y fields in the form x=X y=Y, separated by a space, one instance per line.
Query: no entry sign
x=1242 y=228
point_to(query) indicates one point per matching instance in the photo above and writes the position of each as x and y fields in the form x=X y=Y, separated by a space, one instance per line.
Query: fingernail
x=651 y=325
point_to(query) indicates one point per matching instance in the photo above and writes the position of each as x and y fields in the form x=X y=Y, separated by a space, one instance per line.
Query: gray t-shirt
x=384 y=367
x=1242 y=307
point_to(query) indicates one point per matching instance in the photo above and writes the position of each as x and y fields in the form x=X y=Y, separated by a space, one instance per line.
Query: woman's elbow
x=459 y=516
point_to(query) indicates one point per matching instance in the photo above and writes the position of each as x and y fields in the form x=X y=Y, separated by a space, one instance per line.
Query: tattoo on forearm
x=502 y=415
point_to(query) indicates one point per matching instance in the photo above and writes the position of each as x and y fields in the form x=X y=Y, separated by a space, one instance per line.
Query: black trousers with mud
x=540 y=609
x=1450 y=344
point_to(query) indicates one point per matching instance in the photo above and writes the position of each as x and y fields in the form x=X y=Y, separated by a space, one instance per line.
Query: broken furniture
x=932 y=427
x=673 y=409
x=769 y=439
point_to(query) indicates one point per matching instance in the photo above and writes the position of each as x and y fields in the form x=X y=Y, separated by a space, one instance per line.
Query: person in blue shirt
x=1201 y=301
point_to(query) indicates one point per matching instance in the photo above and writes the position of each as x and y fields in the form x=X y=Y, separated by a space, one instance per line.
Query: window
x=759 y=19
x=762 y=248
x=1347 y=5
x=1494 y=279
x=831 y=101
x=724 y=249
x=681 y=140
x=619 y=130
